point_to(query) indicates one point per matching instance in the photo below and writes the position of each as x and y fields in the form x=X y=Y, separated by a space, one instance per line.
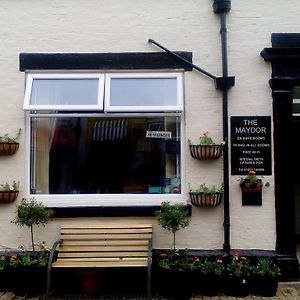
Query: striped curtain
x=110 y=130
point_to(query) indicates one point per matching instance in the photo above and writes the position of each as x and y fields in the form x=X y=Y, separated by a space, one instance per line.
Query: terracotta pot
x=251 y=188
x=206 y=151
x=8 y=148
x=8 y=196
x=205 y=200
x=88 y=280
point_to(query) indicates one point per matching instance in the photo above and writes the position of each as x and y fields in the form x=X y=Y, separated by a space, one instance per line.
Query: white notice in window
x=159 y=134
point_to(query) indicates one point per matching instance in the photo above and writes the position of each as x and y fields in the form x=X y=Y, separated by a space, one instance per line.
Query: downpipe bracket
x=221 y=6
x=224 y=83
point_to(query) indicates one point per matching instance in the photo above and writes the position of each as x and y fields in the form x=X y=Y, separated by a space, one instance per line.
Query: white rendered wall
x=125 y=26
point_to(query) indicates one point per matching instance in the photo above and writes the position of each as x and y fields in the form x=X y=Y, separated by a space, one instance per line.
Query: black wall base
x=289 y=266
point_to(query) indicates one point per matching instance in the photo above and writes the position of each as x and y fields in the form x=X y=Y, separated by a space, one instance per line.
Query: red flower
x=252 y=172
x=163 y=255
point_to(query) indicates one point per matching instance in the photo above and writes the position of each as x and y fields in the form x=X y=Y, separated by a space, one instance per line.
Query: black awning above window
x=104 y=61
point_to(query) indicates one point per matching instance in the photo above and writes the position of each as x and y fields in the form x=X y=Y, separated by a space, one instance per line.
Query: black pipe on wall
x=222 y=7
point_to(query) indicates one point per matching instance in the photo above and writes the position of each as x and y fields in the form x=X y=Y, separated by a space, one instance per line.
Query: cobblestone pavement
x=290 y=291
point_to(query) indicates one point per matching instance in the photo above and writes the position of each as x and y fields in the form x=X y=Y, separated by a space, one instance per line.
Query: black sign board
x=251 y=145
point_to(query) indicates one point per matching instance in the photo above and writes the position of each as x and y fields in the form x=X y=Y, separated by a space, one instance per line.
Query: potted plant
x=171 y=263
x=172 y=217
x=206 y=196
x=209 y=278
x=30 y=213
x=9 y=191
x=251 y=187
x=8 y=144
x=177 y=270
x=4 y=273
x=236 y=281
x=28 y=271
x=251 y=183
x=206 y=149
x=265 y=275
x=31 y=265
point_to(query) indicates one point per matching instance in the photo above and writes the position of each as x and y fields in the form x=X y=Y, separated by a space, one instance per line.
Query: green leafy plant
x=13 y=186
x=205 y=140
x=8 y=139
x=173 y=217
x=211 y=267
x=173 y=260
x=29 y=213
x=265 y=267
x=204 y=189
x=39 y=259
x=3 y=262
x=252 y=179
x=238 y=266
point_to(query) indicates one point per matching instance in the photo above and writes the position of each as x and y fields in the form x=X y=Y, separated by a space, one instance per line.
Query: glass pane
x=296 y=108
x=64 y=92
x=92 y=155
x=143 y=91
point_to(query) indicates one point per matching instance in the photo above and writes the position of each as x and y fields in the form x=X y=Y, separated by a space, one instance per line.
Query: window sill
x=107 y=211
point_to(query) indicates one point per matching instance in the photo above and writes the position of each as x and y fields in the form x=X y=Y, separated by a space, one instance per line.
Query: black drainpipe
x=222 y=7
x=224 y=83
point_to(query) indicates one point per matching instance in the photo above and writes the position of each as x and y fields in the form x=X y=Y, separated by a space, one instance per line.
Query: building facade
x=106 y=117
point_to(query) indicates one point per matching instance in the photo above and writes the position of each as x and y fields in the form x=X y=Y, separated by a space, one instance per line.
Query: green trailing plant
x=204 y=189
x=13 y=186
x=252 y=179
x=173 y=217
x=8 y=139
x=265 y=267
x=29 y=213
x=205 y=140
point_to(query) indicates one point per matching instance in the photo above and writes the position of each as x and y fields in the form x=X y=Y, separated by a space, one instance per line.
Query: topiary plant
x=29 y=213
x=173 y=217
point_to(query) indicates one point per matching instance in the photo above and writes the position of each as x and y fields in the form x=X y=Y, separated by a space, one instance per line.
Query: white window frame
x=159 y=108
x=90 y=107
x=296 y=101
x=112 y=200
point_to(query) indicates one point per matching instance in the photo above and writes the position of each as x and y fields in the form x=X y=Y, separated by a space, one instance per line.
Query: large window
x=96 y=138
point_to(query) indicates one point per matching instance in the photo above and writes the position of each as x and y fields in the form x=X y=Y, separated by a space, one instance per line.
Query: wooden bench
x=102 y=246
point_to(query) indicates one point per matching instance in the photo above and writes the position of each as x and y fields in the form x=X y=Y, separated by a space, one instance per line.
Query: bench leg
x=149 y=270
x=149 y=283
x=49 y=268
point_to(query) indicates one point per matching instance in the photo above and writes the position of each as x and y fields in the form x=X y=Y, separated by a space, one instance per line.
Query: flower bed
x=235 y=276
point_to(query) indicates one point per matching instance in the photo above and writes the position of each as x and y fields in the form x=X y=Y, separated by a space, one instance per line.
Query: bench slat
x=106 y=236
x=104 y=243
x=100 y=259
x=101 y=254
x=108 y=226
x=72 y=264
x=104 y=231
x=103 y=248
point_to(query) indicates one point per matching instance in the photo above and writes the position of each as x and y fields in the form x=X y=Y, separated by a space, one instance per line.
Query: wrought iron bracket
x=221 y=83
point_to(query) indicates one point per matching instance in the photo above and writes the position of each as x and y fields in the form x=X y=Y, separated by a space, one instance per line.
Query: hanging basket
x=8 y=196
x=8 y=148
x=206 y=151
x=206 y=200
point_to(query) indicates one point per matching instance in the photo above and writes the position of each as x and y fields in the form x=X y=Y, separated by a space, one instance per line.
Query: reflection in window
x=94 y=155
